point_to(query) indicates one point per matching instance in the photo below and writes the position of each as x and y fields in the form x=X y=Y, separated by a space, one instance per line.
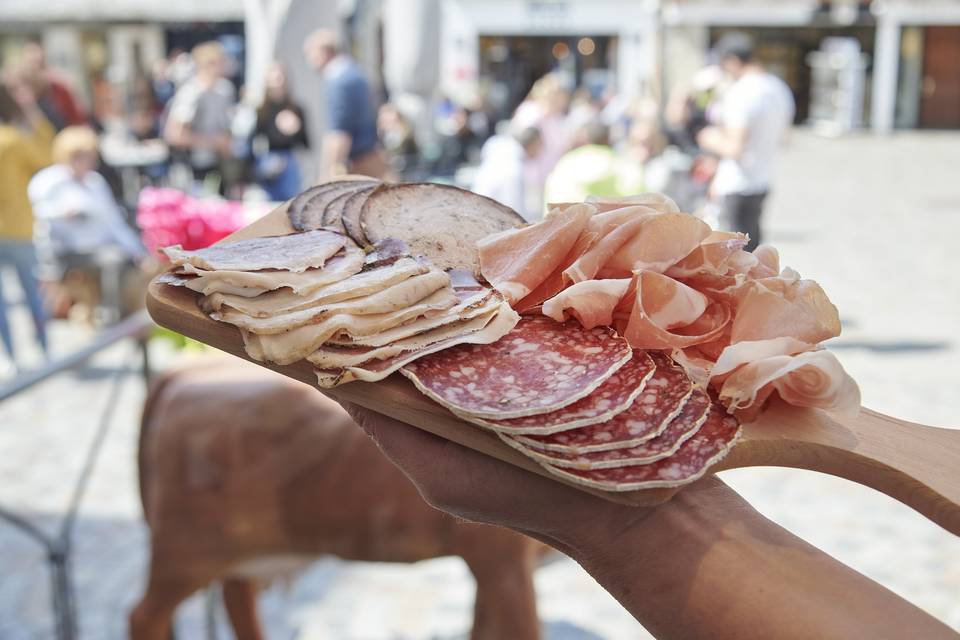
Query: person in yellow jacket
x=25 y=141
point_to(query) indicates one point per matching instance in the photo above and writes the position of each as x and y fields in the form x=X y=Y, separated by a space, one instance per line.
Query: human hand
x=479 y=488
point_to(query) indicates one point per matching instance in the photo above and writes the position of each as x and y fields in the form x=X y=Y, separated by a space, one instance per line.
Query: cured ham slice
x=711 y=256
x=398 y=297
x=503 y=321
x=689 y=463
x=615 y=395
x=668 y=314
x=296 y=252
x=286 y=301
x=296 y=344
x=660 y=401
x=808 y=379
x=540 y=366
x=591 y=302
x=657 y=201
x=784 y=306
x=517 y=261
x=680 y=429
x=662 y=241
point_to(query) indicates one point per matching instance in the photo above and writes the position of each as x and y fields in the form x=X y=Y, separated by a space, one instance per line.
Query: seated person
x=78 y=221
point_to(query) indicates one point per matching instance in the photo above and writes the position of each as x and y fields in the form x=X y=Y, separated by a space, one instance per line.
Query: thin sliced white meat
x=330 y=356
x=591 y=302
x=479 y=304
x=253 y=283
x=397 y=297
x=297 y=344
x=501 y=323
x=295 y=252
x=516 y=261
x=286 y=301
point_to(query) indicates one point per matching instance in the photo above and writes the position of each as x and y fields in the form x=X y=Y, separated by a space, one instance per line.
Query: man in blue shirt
x=350 y=143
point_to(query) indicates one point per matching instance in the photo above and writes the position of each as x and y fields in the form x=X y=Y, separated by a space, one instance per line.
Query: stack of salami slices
x=583 y=404
x=354 y=314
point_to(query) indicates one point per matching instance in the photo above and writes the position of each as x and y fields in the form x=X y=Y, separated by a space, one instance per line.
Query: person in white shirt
x=755 y=114
x=73 y=204
x=502 y=171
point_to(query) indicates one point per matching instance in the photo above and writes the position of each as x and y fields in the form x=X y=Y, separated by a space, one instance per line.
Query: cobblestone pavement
x=872 y=219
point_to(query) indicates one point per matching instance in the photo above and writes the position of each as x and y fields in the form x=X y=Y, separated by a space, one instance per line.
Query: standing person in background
x=755 y=114
x=281 y=126
x=545 y=108
x=593 y=168
x=502 y=171
x=201 y=112
x=25 y=137
x=350 y=143
x=54 y=96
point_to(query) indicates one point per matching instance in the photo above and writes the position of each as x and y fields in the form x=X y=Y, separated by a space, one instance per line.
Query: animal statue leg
x=152 y=618
x=506 y=602
x=240 y=600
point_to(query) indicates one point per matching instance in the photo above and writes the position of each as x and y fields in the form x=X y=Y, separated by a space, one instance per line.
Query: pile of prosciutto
x=353 y=314
x=735 y=321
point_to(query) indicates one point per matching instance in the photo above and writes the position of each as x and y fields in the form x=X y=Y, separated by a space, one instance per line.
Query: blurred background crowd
x=128 y=126
x=237 y=104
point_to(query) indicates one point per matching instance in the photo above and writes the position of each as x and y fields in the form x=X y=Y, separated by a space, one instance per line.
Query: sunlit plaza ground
x=874 y=219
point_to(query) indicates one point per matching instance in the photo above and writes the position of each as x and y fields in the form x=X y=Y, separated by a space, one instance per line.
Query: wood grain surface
x=915 y=464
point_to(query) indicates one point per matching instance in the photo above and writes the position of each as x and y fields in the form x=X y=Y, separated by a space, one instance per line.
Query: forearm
x=707 y=565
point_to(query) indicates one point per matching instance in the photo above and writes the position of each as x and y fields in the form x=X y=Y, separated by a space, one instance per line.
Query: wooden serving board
x=915 y=464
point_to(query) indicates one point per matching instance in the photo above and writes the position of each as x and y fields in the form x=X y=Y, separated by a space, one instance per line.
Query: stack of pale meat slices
x=583 y=404
x=354 y=314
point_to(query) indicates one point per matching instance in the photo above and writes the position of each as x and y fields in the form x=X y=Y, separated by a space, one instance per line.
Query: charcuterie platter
x=633 y=425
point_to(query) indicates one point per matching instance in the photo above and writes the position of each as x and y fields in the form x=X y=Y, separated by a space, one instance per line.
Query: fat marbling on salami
x=680 y=429
x=694 y=457
x=610 y=398
x=660 y=401
x=540 y=366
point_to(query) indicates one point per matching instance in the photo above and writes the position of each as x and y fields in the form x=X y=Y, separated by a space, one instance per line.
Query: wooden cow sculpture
x=243 y=470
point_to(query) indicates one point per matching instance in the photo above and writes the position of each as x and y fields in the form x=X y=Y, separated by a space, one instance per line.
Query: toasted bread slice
x=438 y=221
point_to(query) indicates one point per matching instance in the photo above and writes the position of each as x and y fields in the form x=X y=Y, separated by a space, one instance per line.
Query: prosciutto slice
x=807 y=379
x=516 y=261
x=784 y=306
x=591 y=302
x=667 y=314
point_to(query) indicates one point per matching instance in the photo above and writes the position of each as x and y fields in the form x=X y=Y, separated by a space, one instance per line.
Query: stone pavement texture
x=873 y=219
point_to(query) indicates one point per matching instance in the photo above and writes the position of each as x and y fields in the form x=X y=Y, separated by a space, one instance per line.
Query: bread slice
x=441 y=222
x=307 y=209
x=350 y=215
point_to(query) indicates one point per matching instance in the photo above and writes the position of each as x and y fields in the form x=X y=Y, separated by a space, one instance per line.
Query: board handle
x=915 y=464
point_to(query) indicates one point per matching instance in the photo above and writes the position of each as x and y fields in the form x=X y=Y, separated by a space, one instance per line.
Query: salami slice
x=680 y=429
x=539 y=367
x=690 y=462
x=615 y=395
x=660 y=402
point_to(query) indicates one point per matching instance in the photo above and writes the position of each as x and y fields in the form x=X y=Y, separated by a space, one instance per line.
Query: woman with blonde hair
x=79 y=223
